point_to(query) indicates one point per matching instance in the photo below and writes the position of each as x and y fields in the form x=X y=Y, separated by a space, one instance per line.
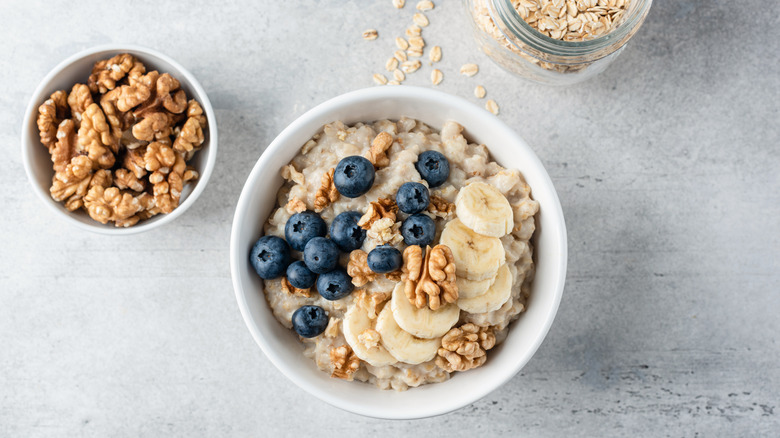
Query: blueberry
x=412 y=197
x=300 y=276
x=301 y=227
x=418 y=229
x=309 y=321
x=433 y=167
x=321 y=255
x=335 y=285
x=270 y=256
x=354 y=176
x=384 y=259
x=345 y=231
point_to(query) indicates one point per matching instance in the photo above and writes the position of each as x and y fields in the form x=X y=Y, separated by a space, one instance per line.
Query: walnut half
x=465 y=347
x=429 y=280
x=327 y=193
x=380 y=209
x=358 y=269
x=345 y=362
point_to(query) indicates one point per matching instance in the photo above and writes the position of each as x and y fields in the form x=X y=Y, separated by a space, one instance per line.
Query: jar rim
x=543 y=43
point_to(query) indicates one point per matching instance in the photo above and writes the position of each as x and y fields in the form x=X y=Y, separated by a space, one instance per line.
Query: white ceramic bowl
x=258 y=198
x=77 y=68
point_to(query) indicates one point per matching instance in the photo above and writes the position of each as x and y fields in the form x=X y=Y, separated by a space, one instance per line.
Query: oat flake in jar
x=555 y=42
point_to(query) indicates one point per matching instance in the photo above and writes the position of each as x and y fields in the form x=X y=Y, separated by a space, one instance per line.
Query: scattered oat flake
x=469 y=69
x=415 y=52
x=370 y=34
x=401 y=43
x=417 y=42
x=420 y=19
x=380 y=79
x=492 y=106
x=425 y=5
x=480 y=92
x=400 y=55
x=435 y=54
x=436 y=76
x=393 y=82
x=410 y=66
x=391 y=64
x=413 y=30
x=399 y=3
x=399 y=75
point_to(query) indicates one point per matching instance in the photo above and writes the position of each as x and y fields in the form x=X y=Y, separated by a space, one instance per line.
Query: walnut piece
x=65 y=147
x=110 y=204
x=159 y=156
x=440 y=207
x=377 y=154
x=327 y=193
x=358 y=269
x=289 y=289
x=135 y=161
x=95 y=138
x=380 y=209
x=295 y=205
x=190 y=136
x=124 y=179
x=167 y=191
x=78 y=101
x=430 y=280
x=465 y=347
x=106 y=73
x=71 y=184
x=161 y=98
x=154 y=126
x=345 y=362
x=130 y=96
x=50 y=114
x=371 y=302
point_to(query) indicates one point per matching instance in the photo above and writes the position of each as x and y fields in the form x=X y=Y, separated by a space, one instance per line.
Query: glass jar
x=519 y=48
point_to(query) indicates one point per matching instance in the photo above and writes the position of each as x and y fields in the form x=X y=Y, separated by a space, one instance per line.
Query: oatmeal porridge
x=398 y=253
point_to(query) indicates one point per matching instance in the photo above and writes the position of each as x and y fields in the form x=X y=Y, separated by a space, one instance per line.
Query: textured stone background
x=666 y=166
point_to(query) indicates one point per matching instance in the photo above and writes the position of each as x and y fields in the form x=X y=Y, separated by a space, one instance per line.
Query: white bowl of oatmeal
x=422 y=119
x=196 y=164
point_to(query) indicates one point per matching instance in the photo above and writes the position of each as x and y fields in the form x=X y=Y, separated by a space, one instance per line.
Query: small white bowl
x=76 y=69
x=281 y=345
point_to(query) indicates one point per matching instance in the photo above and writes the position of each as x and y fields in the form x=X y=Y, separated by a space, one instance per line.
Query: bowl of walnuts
x=119 y=139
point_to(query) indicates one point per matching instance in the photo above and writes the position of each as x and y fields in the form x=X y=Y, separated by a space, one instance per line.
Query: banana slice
x=485 y=210
x=403 y=345
x=477 y=257
x=422 y=323
x=470 y=288
x=494 y=298
x=356 y=323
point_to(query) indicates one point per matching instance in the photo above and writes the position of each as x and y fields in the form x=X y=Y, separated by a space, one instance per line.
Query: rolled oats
x=411 y=66
x=391 y=64
x=380 y=79
x=370 y=34
x=420 y=19
x=492 y=106
x=415 y=52
x=399 y=75
x=436 y=76
x=401 y=43
x=413 y=31
x=399 y=3
x=435 y=54
x=480 y=92
x=393 y=82
x=425 y=5
x=469 y=69
x=400 y=55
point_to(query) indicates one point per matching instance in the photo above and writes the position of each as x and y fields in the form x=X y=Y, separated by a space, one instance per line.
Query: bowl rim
x=353 y=98
x=31 y=112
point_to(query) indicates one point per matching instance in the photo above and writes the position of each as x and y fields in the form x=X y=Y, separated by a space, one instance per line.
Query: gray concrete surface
x=666 y=166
